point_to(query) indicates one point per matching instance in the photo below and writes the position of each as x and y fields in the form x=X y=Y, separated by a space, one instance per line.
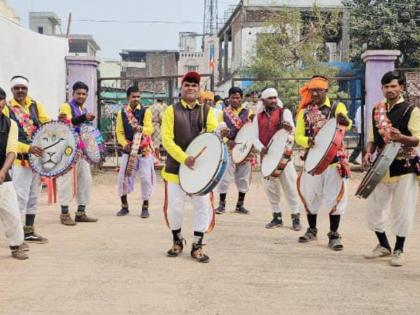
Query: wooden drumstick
x=199 y=153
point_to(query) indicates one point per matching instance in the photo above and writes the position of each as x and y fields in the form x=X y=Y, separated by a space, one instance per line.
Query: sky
x=184 y=15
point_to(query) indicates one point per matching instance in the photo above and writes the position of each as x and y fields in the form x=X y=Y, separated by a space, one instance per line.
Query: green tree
x=386 y=24
x=293 y=46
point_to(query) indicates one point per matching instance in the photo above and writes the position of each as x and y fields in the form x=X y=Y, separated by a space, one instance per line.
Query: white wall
x=40 y=58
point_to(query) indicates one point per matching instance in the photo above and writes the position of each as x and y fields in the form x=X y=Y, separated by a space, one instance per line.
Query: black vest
x=4 y=134
x=188 y=124
x=33 y=114
x=128 y=130
x=399 y=116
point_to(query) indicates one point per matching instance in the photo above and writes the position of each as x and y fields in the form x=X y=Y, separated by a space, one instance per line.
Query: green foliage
x=386 y=24
x=293 y=46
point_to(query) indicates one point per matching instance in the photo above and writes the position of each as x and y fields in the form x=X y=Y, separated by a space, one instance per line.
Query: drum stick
x=199 y=153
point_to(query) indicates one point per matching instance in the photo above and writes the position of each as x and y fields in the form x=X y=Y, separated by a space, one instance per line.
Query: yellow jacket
x=168 y=137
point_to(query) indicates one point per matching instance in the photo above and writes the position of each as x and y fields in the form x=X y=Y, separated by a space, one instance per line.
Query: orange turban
x=305 y=91
x=206 y=95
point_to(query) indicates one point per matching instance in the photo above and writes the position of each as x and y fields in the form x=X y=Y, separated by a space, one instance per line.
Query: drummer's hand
x=37 y=151
x=90 y=116
x=139 y=129
x=127 y=148
x=367 y=160
x=230 y=144
x=287 y=126
x=395 y=134
x=62 y=117
x=189 y=162
x=311 y=142
x=251 y=117
x=224 y=132
x=342 y=120
x=2 y=176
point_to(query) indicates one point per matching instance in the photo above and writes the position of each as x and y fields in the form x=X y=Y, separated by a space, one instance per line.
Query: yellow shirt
x=413 y=127
x=300 y=137
x=65 y=108
x=42 y=116
x=168 y=137
x=147 y=125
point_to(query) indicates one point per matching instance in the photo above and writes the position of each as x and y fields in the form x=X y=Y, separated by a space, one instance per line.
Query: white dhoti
x=400 y=199
x=202 y=210
x=10 y=215
x=28 y=187
x=240 y=172
x=145 y=168
x=287 y=180
x=328 y=189
x=84 y=185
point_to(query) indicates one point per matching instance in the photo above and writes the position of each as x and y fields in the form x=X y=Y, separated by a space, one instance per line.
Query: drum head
x=60 y=149
x=275 y=152
x=93 y=147
x=193 y=181
x=243 y=143
x=322 y=142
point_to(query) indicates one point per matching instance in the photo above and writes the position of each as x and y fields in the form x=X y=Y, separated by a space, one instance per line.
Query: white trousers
x=10 y=215
x=84 y=184
x=145 y=168
x=28 y=188
x=240 y=172
x=400 y=198
x=287 y=180
x=328 y=189
x=201 y=209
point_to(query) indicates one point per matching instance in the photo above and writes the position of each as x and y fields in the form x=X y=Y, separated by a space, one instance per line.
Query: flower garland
x=146 y=141
x=25 y=121
x=314 y=119
x=235 y=119
x=382 y=121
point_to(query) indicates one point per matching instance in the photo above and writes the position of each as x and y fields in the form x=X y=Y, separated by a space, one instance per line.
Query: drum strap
x=331 y=114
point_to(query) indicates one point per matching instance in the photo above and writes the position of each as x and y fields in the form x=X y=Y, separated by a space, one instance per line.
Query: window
x=40 y=29
x=189 y=68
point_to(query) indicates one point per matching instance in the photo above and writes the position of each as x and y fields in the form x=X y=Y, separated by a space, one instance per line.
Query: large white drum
x=327 y=142
x=244 y=142
x=280 y=150
x=210 y=165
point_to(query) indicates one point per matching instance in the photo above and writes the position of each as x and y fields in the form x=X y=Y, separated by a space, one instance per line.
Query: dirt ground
x=118 y=265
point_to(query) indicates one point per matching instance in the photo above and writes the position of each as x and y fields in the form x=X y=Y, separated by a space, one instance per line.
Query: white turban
x=19 y=81
x=270 y=92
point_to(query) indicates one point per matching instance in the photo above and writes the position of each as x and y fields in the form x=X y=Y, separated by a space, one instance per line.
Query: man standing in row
x=330 y=187
x=9 y=210
x=181 y=123
x=234 y=116
x=271 y=119
x=394 y=119
x=134 y=123
x=75 y=113
x=29 y=116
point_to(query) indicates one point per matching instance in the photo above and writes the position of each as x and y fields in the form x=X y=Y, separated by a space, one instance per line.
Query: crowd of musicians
x=141 y=131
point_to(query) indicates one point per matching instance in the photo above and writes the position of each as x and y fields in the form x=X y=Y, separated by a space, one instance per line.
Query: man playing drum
x=234 y=116
x=330 y=187
x=75 y=113
x=29 y=115
x=134 y=123
x=9 y=210
x=181 y=123
x=272 y=118
x=394 y=119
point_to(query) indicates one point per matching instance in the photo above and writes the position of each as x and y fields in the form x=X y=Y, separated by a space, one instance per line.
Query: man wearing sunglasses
x=29 y=116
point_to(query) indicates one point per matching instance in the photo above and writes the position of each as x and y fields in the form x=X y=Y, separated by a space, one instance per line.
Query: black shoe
x=241 y=209
x=123 y=212
x=144 y=213
x=276 y=222
x=198 y=254
x=335 y=241
x=221 y=208
x=296 y=222
x=31 y=237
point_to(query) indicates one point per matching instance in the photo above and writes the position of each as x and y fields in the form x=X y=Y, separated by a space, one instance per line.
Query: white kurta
x=10 y=215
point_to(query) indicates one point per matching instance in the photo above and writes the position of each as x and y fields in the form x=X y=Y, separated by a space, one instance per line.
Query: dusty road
x=118 y=266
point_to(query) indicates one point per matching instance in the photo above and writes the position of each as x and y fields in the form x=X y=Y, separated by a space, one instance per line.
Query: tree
x=293 y=46
x=386 y=24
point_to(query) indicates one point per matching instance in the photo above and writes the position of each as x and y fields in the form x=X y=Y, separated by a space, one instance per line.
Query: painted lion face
x=54 y=148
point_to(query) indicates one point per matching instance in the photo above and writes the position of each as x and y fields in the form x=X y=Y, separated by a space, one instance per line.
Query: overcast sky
x=112 y=37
